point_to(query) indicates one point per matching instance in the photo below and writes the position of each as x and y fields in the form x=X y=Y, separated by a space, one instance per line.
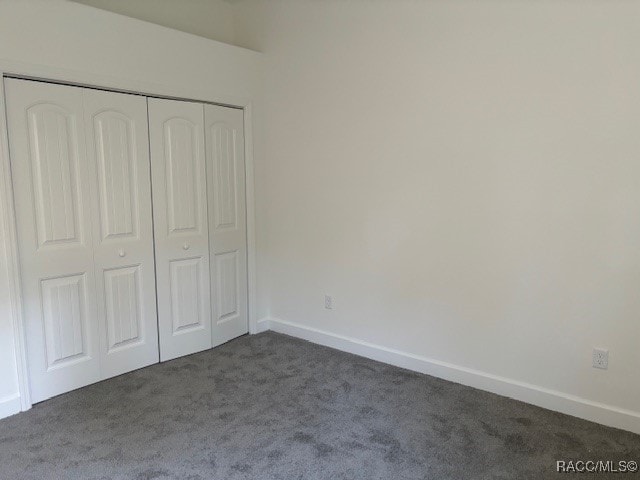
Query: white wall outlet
x=328 y=302
x=600 y=358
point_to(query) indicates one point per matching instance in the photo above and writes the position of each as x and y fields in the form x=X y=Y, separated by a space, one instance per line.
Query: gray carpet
x=270 y=406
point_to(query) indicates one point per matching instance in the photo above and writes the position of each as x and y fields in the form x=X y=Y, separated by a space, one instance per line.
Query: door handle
x=185 y=246
x=121 y=253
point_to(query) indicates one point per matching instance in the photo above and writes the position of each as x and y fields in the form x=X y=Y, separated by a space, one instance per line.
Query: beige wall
x=208 y=18
x=463 y=177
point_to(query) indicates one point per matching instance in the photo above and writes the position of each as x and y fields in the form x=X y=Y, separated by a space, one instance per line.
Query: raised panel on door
x=52 y=186
x=227 y=222
x=123 y=309
x=118 y=148
x=186 y=292
x=176 y=133
x=64 y=315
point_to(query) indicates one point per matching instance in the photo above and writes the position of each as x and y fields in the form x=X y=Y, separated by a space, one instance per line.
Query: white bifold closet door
x=200 y=224
x=123 y=230
x=227 y=222
x=80 y=168
x=176 y=133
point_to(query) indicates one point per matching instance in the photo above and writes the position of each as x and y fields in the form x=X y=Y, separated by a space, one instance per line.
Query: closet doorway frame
x=9 y=260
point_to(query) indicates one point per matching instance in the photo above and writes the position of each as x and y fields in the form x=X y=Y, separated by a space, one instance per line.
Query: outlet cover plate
x=600 y=358
x=328 y=302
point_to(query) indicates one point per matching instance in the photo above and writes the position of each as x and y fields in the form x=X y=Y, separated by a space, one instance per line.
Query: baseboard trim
x=10 y=405
x=263 y=325
x=525 y=392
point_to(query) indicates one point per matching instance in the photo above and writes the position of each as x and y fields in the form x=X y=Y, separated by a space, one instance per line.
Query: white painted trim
x=525 y=392
x=250 y=215
x=7 y=216
x=264 y=324
x=118 y=84
x=10 y=405
x=7 y=208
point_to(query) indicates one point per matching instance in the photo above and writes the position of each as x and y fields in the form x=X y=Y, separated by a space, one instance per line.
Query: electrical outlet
x=328 y=302
x=600 y=358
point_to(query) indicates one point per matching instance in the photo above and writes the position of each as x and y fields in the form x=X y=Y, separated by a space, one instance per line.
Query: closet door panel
x=118 y=147
x=227 y=222
x=178 y=169
x=54 y=206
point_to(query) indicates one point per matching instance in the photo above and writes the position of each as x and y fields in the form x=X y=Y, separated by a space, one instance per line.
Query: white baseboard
x=525 y=392
x=9 y=405
x=263 y=325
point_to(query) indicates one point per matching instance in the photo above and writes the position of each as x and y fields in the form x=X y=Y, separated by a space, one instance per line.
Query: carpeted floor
x=270 y=406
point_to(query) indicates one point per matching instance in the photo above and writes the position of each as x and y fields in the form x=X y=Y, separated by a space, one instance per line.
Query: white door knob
x=121 y=253
x=185 y=246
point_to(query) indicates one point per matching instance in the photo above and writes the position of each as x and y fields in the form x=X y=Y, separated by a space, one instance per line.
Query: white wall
x=67 y=41
x=212 y=19
x=464 y=178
